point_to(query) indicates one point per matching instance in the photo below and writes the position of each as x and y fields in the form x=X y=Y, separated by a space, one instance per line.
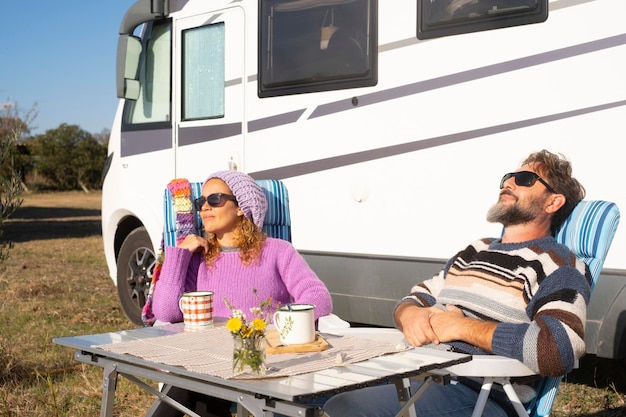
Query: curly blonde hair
x=248 y=238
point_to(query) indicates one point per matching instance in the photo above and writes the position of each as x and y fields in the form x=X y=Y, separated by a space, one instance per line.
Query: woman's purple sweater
x=280 y=273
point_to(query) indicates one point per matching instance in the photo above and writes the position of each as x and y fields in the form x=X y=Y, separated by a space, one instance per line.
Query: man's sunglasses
x=213 y=200
x=525 y=179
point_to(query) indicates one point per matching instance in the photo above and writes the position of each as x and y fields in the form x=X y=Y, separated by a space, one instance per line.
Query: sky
x=60 y=55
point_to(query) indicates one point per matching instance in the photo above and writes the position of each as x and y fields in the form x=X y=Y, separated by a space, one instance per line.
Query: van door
x=209 y=92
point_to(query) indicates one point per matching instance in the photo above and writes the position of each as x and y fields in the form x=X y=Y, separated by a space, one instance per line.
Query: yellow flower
x=258 y=324
x=239 y=325
x=234 y=324
x=246 y=332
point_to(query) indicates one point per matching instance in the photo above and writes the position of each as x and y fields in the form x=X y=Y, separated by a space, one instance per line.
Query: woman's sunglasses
x=525 y=179
x=213 y=200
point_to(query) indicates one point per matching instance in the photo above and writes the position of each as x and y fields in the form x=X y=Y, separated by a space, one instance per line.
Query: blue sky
x=61 y=55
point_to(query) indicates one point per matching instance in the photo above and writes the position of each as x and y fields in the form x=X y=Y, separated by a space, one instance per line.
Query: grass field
x=56 y=284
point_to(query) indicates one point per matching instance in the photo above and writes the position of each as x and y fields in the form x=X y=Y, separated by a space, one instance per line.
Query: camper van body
x=390 y=171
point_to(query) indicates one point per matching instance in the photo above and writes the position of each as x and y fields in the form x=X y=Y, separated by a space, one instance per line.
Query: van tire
x=135 y=265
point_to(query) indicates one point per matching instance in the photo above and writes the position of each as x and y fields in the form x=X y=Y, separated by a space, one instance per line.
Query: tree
x=103 y=137
x=10 y=189
x=90 y=157
x=69 y=157
x=12 y=128
x=15 y=125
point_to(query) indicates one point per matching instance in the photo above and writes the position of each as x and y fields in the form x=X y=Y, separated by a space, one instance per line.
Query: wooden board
x=274 y=345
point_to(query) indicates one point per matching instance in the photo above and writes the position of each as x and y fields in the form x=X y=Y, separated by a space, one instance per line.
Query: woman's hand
x=194 y=243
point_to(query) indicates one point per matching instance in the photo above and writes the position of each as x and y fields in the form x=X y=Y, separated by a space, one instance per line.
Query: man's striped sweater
x=537 y=291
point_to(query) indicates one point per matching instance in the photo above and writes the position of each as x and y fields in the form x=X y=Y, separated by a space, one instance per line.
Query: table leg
x=407 y=399
x=109 y=384
x=247 y=405
x=403 y=387
x=162 y=396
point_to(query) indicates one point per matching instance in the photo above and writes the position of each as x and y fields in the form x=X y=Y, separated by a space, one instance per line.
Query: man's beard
x=511 y=215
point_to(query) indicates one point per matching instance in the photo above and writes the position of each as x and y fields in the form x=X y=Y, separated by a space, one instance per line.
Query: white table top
x=295 y=388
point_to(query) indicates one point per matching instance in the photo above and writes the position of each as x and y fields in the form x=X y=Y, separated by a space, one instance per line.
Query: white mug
x=295 y=323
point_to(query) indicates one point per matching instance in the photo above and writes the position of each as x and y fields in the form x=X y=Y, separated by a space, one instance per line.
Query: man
x=522 y=296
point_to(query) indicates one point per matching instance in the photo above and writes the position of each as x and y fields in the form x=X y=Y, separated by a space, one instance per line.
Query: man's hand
x=425 y=325
x=448 y=326
x=452 y=325
x=414 y=321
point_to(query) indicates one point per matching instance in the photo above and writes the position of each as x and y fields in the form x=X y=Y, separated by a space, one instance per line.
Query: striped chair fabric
x=277 y=222
x=588 y=233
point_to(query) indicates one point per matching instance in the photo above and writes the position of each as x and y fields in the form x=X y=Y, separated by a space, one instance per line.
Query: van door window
x=203 y=72
x=308 y=45
x=153 y=104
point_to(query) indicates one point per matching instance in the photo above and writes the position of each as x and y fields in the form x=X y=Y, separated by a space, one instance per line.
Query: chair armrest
x=491 y=366
x=479 y=366
x=330 y=322
x=372 y=333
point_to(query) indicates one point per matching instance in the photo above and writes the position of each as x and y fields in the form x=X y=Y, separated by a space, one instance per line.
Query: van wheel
x=135 y=265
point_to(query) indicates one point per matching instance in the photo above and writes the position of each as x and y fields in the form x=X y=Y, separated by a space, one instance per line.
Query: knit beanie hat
x=248 y=193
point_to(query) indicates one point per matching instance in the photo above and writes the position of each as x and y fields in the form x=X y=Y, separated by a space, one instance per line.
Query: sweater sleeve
x=179 y=274
x=300 y=280
x=553 y=340
x=425 y=293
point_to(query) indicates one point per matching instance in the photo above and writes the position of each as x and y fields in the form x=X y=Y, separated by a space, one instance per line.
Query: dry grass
x=596 y=389
x=56 y=284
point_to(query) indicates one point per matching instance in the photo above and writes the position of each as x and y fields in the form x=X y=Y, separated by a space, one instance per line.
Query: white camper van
x=391 y=123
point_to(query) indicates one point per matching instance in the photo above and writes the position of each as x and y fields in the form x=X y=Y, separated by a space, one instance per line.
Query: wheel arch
x=124 y=228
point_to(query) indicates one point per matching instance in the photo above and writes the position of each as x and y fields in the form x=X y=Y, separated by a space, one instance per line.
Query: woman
x=234 y=258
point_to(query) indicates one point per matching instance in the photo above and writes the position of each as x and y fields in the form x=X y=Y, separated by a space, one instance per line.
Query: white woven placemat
x=210 y=351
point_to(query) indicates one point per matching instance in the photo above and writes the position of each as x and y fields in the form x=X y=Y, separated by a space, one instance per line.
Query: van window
x=153 y=104
x=436 y=18
x=308 y=45
x=203 y=72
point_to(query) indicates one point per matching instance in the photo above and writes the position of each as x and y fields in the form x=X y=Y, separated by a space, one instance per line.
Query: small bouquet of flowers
x=249 y=337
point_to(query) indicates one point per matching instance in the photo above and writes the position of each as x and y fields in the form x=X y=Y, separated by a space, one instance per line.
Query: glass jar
x=249 y=355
